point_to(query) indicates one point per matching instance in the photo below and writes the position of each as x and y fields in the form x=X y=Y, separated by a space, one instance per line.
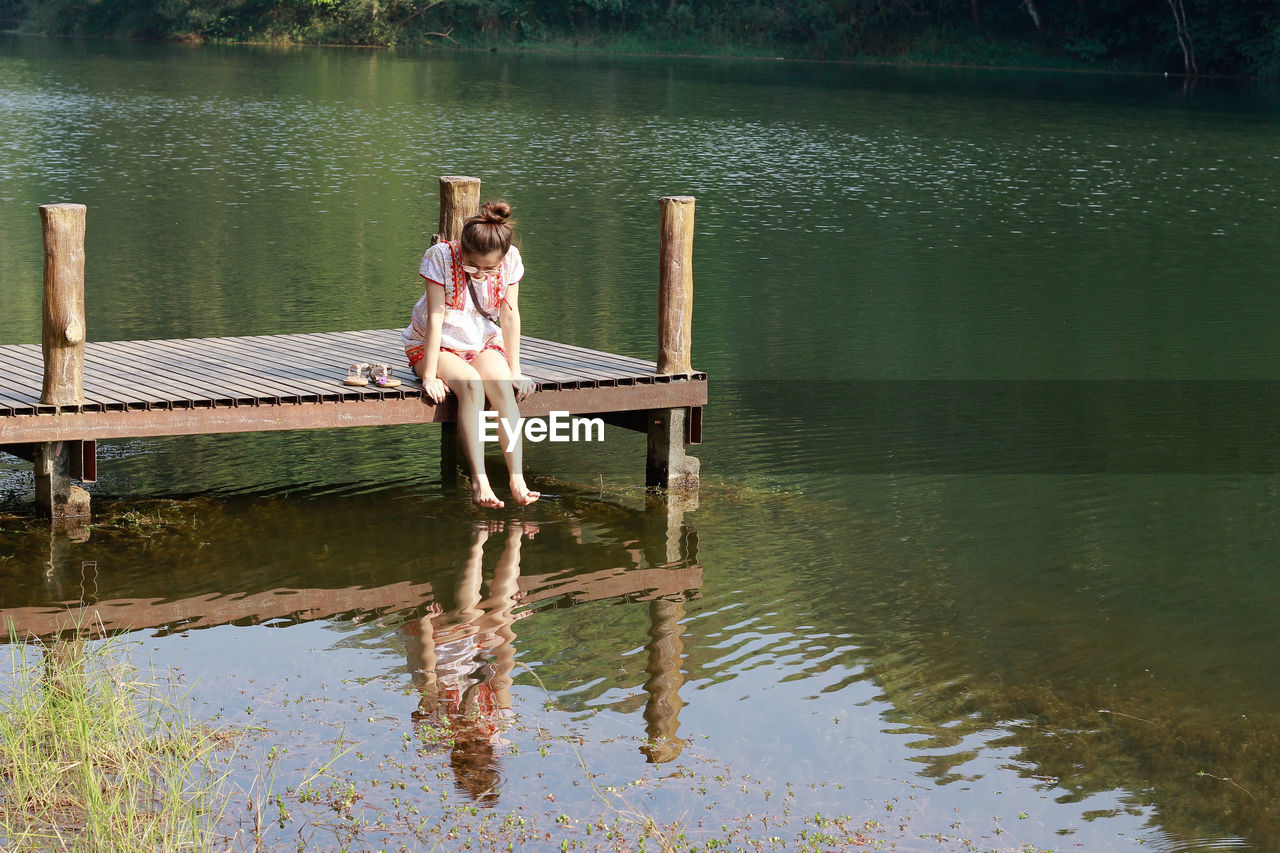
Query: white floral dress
x=466 y=332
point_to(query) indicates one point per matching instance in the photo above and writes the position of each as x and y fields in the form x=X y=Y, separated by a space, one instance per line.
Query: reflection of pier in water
x=657 y=569
x=281 y=607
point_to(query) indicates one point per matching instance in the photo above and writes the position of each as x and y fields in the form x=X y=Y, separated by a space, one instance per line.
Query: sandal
x=356 y=375
x=381 y=376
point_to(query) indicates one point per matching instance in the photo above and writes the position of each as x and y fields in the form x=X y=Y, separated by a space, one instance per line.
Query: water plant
x=93 y=756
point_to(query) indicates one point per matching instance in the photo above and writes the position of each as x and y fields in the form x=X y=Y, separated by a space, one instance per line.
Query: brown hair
x=489 y=230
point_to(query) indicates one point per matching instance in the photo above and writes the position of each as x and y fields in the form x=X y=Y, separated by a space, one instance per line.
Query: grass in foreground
x=94 y=758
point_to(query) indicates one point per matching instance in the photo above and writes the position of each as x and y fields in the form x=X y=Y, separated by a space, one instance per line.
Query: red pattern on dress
x=493 y=293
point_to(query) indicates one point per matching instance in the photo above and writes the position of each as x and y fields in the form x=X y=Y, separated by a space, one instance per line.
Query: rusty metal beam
x=694 y=426
x=84 y=462
x=100 y=425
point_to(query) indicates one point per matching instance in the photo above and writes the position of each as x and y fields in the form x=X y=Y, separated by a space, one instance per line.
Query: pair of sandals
x=378 y=374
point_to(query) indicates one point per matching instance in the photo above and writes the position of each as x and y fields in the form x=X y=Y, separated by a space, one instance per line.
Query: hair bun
x=495 y=212
x=489 y=230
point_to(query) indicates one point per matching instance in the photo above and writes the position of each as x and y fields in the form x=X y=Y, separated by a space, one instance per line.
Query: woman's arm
x=434 y=387
x=509 y=315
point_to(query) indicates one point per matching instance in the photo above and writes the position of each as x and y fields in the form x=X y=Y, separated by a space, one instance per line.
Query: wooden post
x=63 y=344
x=63 y=303
x=675 y=283
x=459 y=201
x=667 y=466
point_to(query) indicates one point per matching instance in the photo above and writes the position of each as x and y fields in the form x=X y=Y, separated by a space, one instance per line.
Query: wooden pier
x=58 y=398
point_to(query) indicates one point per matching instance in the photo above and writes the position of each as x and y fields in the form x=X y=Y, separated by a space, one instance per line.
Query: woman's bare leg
x=496 y=373
x=499 y=617
x=467 y=386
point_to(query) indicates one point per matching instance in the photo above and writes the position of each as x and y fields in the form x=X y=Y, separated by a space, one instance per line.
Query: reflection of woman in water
x=462 y=661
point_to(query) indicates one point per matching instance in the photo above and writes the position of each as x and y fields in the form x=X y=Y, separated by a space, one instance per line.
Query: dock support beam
x=63 y=338
x=55 y=495
x=667 y=466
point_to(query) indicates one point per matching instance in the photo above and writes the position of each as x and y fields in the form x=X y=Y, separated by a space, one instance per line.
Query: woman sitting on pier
x=455 y=342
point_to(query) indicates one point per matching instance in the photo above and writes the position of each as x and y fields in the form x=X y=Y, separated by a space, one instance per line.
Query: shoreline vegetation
x=94 y=757
x=1180 y=37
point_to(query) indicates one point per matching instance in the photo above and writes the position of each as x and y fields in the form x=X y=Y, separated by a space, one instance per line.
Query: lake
x=987 y=539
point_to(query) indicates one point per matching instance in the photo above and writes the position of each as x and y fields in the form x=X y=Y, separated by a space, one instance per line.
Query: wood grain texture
x=64 y=334
x=459 y=201
x=675 y=284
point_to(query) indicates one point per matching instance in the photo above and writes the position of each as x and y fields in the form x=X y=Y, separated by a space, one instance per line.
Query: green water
x=990 y=503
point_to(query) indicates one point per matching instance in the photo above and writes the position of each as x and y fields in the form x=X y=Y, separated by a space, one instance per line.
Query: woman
x=456 y=340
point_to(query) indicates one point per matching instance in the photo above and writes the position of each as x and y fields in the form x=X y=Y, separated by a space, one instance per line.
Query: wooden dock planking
x=131 y=371
x=25 y=363
x=623 y=361
x=308 y=370
x=176 y=373
x=182 y=386
x=575 y=372
x=204 y=372
x=607 y=365
x=17 y=390
x=290 y=384
x=191 y=365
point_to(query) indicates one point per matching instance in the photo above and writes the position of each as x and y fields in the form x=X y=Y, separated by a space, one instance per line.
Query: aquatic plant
x=95 y=757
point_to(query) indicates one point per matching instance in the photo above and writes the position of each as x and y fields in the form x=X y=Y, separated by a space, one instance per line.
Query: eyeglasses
x=479 y=274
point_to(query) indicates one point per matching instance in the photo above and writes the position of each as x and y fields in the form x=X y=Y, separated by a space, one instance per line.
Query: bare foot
x=521 y=493
x=482 y=495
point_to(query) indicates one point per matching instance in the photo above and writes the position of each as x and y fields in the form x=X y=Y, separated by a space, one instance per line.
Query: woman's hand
x=435 y=389
x=522 y=385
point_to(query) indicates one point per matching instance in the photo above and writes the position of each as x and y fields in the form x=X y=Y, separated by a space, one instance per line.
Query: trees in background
x=1205 y=36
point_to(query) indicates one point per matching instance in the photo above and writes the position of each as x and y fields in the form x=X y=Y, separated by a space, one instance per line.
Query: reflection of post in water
x=64 y=650
x=662 y=711
x=462 y=660
x=64 y=672
x=62 y=567
x=677 y=544
x=668 y=541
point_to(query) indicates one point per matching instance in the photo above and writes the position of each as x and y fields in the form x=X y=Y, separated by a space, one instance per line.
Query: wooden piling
x=667 y=465
x=459 y=201
x=63 y=339
x=675 y=283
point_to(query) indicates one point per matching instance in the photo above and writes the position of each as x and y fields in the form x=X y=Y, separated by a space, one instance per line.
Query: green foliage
x=1228 y=36
x=92 y=758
